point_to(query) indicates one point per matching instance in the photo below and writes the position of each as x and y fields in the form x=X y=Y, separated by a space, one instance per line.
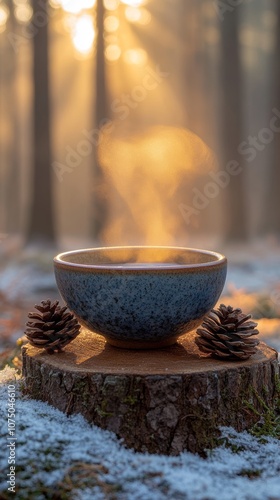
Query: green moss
x=81 y=392
x=250 y=473
x=131 y=400
x=269 y=416
x=12 y=358
x=265 y=308
x=82 y=475
x=102 y=410
x=227 y=443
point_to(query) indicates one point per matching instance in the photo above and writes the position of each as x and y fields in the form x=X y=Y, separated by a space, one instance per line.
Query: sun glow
x=135 y=56
x=83 y=34
x=112 y=52
x=55 y=4
x=75 y=6
x=23 y=13
x=136 y=15
x=111 y=24
x=111 y=4
x=4 y=15
x=134 y=3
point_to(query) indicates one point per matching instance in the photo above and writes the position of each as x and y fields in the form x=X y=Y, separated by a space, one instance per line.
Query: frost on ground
x=65 y=457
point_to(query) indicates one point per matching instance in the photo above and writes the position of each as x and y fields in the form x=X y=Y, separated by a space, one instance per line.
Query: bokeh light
x=134 y=3
x=55 y=4
x=136 y=15
x=112 y=52
x=111 y=24
x=87 y=4
x=135 y=56
x=23 y=13
x=69 y=22
x=76 y=6
x=84 y=34
x=111 y=4
x=4 y=15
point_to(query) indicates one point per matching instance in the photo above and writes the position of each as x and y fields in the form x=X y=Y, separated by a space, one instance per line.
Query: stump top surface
x=90 y=353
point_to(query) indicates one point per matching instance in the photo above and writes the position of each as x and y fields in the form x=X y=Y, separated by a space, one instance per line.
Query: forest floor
x=61 y=457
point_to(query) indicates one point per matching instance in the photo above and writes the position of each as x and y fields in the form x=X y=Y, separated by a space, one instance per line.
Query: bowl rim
x=60 y=263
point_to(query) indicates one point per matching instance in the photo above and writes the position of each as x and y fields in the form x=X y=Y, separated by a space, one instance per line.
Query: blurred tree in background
x=41 y=212
x=101 y=112
x=273 y=197
x=232 y=130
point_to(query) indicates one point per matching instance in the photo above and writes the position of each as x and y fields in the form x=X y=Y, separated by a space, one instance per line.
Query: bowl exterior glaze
x=141 y=308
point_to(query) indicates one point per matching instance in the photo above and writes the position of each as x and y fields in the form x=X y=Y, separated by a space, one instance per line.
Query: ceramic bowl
x=140 y=297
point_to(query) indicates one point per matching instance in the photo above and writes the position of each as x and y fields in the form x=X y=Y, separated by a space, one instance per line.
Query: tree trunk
x=101 y=113
x=162 y=401
x=41 y=217
x=13 y=177
x=231 y=134
x=272 y=208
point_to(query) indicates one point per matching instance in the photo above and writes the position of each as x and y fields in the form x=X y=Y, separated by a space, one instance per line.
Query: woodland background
x=66 y=65
x=137 y=122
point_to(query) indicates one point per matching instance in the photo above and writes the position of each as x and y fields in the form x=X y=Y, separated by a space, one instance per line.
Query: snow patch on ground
x=20 y=281
x=254 y=274
x=49 y=443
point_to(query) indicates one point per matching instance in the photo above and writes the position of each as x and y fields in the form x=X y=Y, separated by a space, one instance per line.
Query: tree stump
x=160 y=401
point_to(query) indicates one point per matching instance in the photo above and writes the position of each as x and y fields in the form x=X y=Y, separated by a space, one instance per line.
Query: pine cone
x=226 y=333
x=52 y=327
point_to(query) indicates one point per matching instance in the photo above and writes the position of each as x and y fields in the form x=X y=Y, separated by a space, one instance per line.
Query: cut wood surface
x=162 y=401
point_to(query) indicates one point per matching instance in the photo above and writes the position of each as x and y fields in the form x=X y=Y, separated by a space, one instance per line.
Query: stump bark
x=163 y=401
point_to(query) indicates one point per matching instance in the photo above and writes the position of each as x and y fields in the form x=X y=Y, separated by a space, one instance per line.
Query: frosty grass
x=49 y=445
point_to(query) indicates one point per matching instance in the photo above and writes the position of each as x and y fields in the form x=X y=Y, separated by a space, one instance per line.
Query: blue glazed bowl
x=140 y=297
